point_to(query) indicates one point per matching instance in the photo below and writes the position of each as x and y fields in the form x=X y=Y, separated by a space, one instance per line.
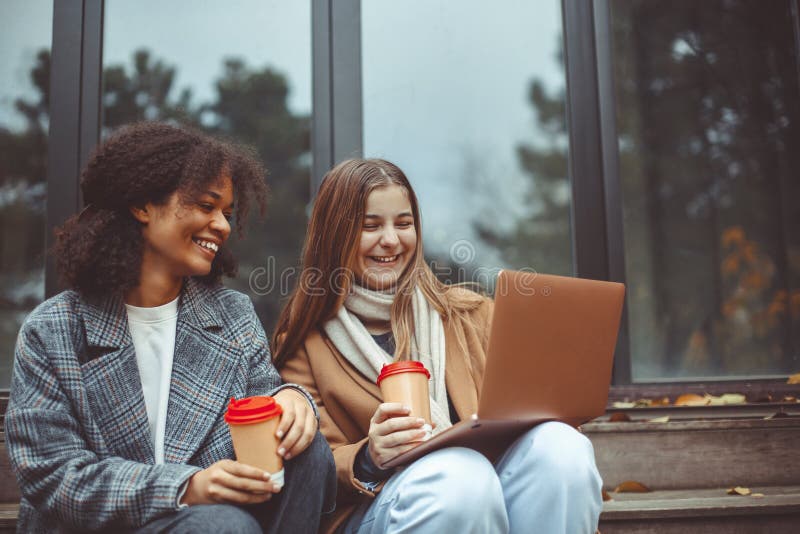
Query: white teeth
x=207 y=244
x=384 y=259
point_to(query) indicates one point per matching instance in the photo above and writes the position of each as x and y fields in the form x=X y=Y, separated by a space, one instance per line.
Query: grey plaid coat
x=76 y=426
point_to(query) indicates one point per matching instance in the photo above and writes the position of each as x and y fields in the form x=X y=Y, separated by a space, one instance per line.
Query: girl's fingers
x=388 y=410
x=230 y=481
x=397 y=424
x=399 y=439
x=306 y=436
x=287 y=417
x=239 y=469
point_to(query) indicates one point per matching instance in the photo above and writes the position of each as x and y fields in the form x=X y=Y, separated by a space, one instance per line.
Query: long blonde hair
x=331 y=247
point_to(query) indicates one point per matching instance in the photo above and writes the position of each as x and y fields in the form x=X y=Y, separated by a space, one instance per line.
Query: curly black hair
x=99 y=251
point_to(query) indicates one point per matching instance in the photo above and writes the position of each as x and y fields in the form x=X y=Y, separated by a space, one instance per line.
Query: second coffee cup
x=407 y=382
x=253 y=422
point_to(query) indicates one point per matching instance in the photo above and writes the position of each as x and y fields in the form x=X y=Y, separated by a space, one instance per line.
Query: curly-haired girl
x=120 y=383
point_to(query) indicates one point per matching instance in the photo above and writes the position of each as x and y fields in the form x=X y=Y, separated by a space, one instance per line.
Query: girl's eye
x=205 y=206
x=370 y=226
x=405 y=224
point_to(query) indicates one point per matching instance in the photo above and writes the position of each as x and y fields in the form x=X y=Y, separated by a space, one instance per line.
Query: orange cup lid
x=252 y=410
x=402 y=367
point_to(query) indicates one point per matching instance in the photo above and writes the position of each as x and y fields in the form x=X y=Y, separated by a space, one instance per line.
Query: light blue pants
x=547 y=482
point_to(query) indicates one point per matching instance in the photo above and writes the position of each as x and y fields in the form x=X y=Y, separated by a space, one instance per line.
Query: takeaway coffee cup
x=253 y=422
x=407 y=383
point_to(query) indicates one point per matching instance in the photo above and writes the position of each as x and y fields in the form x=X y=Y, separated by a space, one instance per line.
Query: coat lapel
x=112 y=382
x=203 y=369
x=458 y=378
x=318 y=344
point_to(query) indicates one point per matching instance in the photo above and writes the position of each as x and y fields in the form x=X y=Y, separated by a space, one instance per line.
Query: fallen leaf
x=623 y=405
x=789 y=398
x=691 y=399
x=631 y=486
x=663 y=419
x=606 y=496
x=757 y=495
x=777 y=415
x=734 y=398
x=739 y=490
x=619 y=417
x=794 y=379
x=660 y=402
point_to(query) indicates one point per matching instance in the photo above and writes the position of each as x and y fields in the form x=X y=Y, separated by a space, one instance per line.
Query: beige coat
x=347 y=400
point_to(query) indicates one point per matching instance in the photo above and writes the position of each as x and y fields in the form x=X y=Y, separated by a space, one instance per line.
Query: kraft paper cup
x=407 y=383
x=253 y=422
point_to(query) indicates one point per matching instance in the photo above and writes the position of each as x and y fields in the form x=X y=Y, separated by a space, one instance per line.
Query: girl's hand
x=392 y=432
x=228 y=481
x=298 y=424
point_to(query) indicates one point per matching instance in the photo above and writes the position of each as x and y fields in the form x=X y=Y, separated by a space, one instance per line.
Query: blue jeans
x=546 y=481
x=309 y=492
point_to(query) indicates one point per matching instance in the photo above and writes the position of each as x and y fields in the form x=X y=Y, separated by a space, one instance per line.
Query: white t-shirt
x=153 y=333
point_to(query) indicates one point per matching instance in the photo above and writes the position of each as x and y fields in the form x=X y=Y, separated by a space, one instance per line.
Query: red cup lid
x=402 y=367
x=252 y=410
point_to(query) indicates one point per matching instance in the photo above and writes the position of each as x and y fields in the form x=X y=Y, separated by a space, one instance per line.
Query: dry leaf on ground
x=777 y=415
x=619 y=417
x=727 y=398
x=733 y=398
x=757 y=495
x=606 y=496
x=623 y=405
x=739 y=490
x=794 y=379
x=790 y=398
x=691 y=399
x=663 y=419
x=632 y=486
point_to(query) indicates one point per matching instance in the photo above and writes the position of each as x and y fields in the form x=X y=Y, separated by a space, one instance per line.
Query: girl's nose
x=389 y=238
x=221 y=225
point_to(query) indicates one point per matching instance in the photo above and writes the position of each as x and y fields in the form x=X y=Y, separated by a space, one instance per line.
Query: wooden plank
x=599 y=427
x=8 y=517
x=762 y=524
x=710 y=511
x=698 y=454
x=739 y=411
x=9 y=492
x=702 y=503
x=752 y=389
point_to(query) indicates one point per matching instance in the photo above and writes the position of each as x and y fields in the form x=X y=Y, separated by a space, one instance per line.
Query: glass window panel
x=24 y=122
x=708 y=111
x=243 y=72
x=468 y=99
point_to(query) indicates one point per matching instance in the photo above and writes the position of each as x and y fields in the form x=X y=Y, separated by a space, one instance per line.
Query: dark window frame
x=337 y=133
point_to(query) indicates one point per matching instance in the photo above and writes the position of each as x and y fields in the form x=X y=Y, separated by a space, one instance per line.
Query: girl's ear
x=140 y=213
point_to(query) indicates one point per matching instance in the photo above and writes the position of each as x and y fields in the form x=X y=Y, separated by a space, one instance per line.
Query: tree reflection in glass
x=708 y=111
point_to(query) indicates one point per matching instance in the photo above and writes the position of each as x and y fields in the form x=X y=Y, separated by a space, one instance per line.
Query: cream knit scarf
x=352 y=340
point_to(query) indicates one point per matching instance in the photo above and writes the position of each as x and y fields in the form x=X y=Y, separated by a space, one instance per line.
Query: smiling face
x=388 y=238
x=182 y=237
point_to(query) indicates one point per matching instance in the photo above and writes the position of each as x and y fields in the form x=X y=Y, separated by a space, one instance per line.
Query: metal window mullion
x=590 y=255
x=347 y=117
x=322 y=104
x=91 y=78
x=611 y=178
x=63 y=162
